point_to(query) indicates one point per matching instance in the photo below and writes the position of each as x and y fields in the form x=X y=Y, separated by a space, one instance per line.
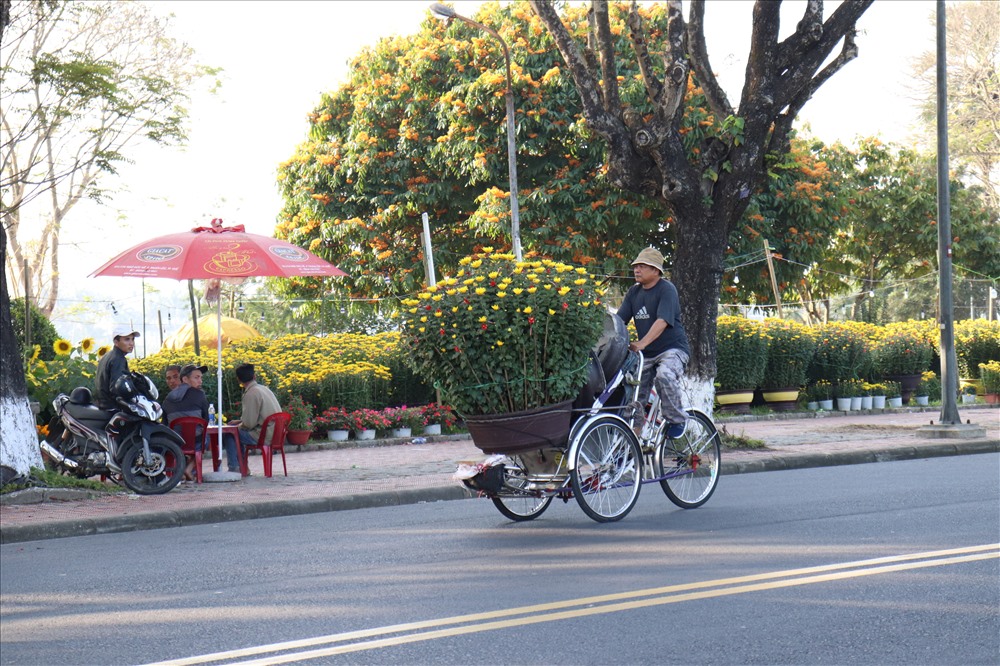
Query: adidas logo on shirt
x=641 y=314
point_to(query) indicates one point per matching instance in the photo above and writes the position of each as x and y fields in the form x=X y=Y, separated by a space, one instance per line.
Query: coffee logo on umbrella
x=229 y=262
x=288 y=253
x=158 y=253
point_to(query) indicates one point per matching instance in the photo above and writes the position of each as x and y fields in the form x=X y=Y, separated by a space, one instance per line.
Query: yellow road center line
x=595 y=605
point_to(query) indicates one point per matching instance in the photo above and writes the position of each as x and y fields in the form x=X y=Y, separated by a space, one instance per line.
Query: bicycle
x=603 y=463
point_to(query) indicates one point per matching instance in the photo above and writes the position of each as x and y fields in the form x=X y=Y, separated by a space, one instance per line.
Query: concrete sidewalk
x=331 y=478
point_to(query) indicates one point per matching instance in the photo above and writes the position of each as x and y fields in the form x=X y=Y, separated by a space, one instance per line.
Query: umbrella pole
x=218 y=376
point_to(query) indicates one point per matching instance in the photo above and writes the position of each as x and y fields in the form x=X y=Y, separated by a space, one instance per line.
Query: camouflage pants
x=666 y=370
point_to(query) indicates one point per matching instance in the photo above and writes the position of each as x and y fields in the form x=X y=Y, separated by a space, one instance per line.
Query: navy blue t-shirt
x=645 y=306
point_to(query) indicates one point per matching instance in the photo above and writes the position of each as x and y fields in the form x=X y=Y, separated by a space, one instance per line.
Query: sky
x=278 y=57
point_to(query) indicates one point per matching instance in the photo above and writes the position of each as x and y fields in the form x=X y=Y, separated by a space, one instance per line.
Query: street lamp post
x=446 y=13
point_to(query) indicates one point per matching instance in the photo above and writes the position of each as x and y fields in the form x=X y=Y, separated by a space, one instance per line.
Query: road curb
x=400 y=497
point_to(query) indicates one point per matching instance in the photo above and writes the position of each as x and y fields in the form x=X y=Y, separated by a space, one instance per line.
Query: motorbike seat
x=91 y=416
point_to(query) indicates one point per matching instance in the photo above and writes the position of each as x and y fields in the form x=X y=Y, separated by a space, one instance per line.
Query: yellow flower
x=87 y=344
x=580 y=281
x=518 y=291
x=551 y=312
x=437 y=313
x=423 y=319
x=528 y=310
x=495 y=306
x=480 y=291
x=477 y=263
x=102 y=350
x=501 y=294
x=463 y=290
x=499 y=343
x=532 y=290
x=493 y=275
x=62 y=347
x=482 y=320
x=563 y=291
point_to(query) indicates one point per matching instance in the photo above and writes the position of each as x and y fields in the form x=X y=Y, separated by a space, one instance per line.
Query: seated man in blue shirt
x=189 y=400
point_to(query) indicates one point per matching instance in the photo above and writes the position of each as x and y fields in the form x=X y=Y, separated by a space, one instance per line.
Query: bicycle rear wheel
x=607 y=469
x=516 y=506
x=691 y=462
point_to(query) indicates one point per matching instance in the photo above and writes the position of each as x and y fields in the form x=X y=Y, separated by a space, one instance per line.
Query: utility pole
x=949 y=423
x=774 y=279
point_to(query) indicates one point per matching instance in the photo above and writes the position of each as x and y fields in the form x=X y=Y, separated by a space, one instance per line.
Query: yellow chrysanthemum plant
x=503 y=336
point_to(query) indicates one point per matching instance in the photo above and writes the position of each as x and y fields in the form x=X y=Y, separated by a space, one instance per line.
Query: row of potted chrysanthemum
x=336 y=423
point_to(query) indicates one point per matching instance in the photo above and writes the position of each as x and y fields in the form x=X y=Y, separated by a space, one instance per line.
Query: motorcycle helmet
x=81 y=396
x=124 y=388
x=144 y=386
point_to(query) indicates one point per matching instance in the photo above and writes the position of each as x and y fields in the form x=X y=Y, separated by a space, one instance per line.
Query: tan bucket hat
x=651 y=257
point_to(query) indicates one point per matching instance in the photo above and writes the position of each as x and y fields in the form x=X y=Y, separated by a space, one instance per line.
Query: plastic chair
x=272 y=438
x=188 y=426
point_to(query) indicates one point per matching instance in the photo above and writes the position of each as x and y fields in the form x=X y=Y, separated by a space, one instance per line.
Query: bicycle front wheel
x=607 y=470
x=691 y=463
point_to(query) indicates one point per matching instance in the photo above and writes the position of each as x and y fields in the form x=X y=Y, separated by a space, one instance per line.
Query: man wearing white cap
x=653 y=304
x=113 y=365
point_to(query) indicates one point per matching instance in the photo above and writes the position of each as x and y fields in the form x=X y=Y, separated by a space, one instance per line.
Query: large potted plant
x=977 y=341
x=903 y=355
x=508 y=344
x=990 y=375
x=843 y=351
x=300 y=425
x=790 y=348
x=741 y=358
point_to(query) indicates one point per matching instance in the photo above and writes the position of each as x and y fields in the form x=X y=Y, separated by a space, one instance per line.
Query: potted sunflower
x=508 y=344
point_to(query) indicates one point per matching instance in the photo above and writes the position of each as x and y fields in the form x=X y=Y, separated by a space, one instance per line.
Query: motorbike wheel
x=158 y=475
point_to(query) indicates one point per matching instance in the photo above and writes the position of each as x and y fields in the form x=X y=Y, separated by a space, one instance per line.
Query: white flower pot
x=896 y=402
x=844 y=404
x=856 y=403
x=866 y=402
x=338 y=435
x=365 y=434
x=878 y=402
x=826 y=404
x=401 y=432
x=923 y=399
x=812 y=406
x=432 y=429
x=968 y=399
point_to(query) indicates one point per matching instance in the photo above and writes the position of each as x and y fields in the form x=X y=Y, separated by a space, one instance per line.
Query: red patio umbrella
x=215 y=253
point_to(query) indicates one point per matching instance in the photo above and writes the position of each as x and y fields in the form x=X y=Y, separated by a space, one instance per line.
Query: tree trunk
x=18 y=437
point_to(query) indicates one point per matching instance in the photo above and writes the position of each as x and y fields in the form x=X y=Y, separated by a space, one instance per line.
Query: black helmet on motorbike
x=124 y=388
x=81 y=395
x=133 y=384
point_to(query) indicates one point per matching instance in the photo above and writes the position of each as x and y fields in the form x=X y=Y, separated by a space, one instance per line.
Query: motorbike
x=128 y=445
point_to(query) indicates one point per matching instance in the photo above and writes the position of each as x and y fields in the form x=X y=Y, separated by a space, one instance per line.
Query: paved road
x=824 y=565
x=330 y=479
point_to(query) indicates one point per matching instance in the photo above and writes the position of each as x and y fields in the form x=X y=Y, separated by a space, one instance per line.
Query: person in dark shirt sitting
x=189 y=400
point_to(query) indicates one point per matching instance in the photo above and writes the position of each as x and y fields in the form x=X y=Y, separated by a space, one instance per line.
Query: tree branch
x=717 y=99
x=760 y=76
x=638 y=39
x=606 y=47
x=586 y=83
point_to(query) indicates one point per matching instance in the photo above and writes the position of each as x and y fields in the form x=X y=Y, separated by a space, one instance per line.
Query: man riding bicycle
x=653 y=305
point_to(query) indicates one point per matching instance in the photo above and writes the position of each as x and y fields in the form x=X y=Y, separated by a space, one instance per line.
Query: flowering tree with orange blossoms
x=706 y=193
x=419 y=127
